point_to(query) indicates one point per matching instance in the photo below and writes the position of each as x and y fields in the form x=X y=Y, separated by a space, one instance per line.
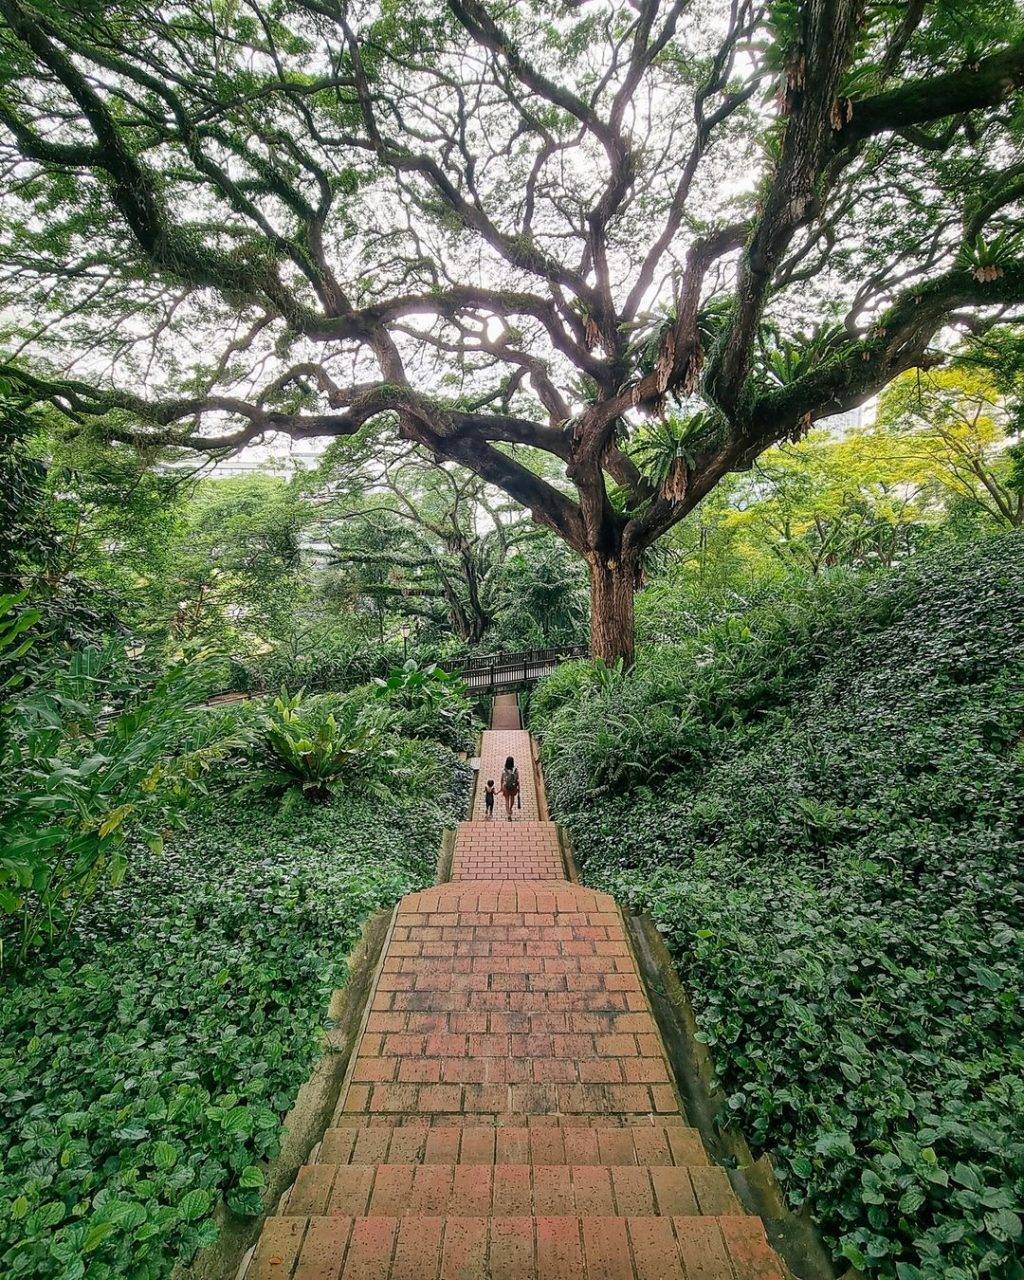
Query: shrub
x=568 y=684
x=326 y=667
x=316 y=743
x=95 y=761
x=146 y=1066
x=428 y=702
x=838 y=869
x=681 y=705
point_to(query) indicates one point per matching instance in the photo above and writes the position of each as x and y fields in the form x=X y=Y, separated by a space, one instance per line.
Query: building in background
x=841 y=424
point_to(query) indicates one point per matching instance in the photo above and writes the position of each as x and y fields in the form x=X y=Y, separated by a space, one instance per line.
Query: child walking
x=489 y=800
x=510 y=786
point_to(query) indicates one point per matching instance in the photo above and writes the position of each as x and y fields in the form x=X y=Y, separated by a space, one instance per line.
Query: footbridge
x=501 y=672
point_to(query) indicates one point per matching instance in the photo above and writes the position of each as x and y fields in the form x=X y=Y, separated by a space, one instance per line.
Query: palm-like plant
x=987 y=259
x=666 y=449
x=317 y=742
x=787 y=359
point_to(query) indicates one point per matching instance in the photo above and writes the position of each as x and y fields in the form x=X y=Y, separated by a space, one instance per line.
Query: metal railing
x=495 y=671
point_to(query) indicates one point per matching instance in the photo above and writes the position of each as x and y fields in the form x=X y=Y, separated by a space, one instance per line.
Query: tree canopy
x=959 y=421
x=431 y=542
x=506 y=230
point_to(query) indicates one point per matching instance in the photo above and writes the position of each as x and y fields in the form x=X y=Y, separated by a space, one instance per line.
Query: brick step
x=503 y=850
x=508 y=1190
x=505 y=1121
x=548 y=1144
x=473 y=1100
x=339 y=1247
x=518 y=831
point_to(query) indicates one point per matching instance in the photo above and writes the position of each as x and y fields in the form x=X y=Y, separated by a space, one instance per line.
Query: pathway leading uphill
x=509 y=1113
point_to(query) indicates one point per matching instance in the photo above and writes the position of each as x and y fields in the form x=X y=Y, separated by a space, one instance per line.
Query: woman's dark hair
x=510 y=763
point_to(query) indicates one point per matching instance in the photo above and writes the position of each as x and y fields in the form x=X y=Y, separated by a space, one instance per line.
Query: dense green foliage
x=22 y=481
x=96 y=756
x=145 y=1068
x=424 y=701
x=250 y=567
x=602 y=266
x=372 y=739
x=322 y=742
x=168 y=951
x=452 y=557
x=822 y=805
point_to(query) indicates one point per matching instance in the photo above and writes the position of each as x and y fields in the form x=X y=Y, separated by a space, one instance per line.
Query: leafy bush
x=566 y=686
x=316 y=742
x=835 y=854
x=428 y=702
x=361 y=739
x=94 y=761
x=412 y=685
x=145 y=1068
x=681 y=705
x=323 y=668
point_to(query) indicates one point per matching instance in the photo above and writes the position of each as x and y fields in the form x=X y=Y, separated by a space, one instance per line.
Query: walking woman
x=510 y=786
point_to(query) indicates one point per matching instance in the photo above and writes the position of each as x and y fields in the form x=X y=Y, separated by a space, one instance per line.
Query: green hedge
x=833 y=847
x=145 y=1069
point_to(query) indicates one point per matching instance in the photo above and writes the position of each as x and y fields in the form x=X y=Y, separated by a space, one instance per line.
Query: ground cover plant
x=149 y=1050
x=98 y=754
x=823 y=808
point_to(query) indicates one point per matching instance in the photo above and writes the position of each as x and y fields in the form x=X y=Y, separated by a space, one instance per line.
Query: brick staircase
x=509 y=1113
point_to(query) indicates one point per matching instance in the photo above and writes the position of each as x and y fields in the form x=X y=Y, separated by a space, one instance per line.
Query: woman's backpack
x=510 y=780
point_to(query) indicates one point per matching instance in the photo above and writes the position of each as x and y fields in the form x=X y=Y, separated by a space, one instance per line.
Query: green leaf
x=1004 y=1225
x=164 y=1155
x=194 y=1204
x=967 y=1176
x=834 y=1144
x=853 y=1254
x=238 y=1120
x=96 y=1233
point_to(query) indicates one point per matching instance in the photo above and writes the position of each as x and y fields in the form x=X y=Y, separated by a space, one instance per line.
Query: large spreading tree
x=504 y=228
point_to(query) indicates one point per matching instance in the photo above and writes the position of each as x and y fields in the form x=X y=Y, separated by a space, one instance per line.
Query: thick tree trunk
x=611 y=611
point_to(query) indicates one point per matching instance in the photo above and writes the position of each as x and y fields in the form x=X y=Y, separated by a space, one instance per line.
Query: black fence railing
x=494 y=671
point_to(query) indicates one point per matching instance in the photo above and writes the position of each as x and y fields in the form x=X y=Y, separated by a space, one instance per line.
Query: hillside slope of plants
x=821 y=803
x=145 y=1069
x=179 y=889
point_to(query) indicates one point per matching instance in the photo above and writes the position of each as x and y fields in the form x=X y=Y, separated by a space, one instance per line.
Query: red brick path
x=489 y=850
x=498 y=745
x=510 y=1113
x=505 y=712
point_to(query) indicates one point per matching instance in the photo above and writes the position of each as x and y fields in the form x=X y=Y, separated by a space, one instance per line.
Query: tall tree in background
x=960 y=423
x=859 y=502
x=504 y=225
x=428 y=541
